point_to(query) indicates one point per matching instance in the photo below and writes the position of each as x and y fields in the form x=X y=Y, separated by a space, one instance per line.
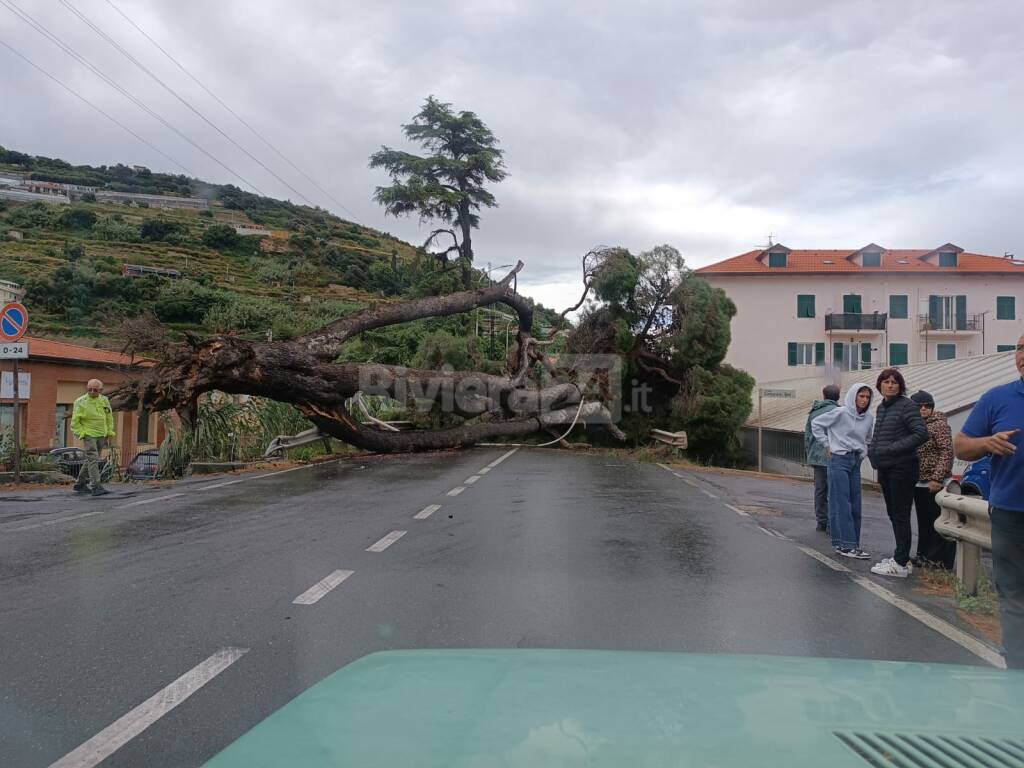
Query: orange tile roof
x=813 y=261
x=61 y=350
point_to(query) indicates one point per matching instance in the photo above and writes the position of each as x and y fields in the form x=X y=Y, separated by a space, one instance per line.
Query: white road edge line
x=824 y=559
x=386 y=542
x=708 y=493
x=737 y=510
x=501 y=458
x=483 y=471
x=322 y=587
x=267 y=474
x=149 y=501
x=46 y=523
x=944 y=628
x=130 y=725
x=456 y=491
x=471 y=480
x=426 y=512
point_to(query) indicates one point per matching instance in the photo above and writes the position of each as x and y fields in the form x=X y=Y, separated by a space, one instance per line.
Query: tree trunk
x=301 y=372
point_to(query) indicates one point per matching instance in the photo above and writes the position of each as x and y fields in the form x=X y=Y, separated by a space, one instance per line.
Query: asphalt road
x=107 y=602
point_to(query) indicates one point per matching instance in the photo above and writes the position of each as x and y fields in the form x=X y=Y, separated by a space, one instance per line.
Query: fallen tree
x=303 y=372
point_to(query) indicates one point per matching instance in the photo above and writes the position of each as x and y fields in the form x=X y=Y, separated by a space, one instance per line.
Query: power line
x=82 y=98
x=238 y=117
x=176 y=95
x=42 y=30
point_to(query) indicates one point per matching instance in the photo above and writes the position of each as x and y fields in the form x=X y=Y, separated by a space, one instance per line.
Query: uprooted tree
x=657 y=328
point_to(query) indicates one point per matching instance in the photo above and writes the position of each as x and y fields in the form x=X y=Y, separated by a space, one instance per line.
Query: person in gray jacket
x=844 y=433
x=899 y=431
x=816 y=458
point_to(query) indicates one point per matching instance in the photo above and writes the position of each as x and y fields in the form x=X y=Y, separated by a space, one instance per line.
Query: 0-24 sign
x=13 y=350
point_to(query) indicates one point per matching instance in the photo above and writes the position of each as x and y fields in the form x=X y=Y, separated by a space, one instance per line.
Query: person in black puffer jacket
x=899 y=430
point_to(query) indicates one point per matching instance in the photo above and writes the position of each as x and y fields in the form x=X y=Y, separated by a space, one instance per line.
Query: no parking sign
x=13 y=321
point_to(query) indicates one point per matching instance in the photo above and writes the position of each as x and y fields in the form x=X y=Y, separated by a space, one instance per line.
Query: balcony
x=854 y=321
x=950 y=324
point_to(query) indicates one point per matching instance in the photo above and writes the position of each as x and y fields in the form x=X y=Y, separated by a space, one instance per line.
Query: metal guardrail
x=965 y=520
x=675 y=439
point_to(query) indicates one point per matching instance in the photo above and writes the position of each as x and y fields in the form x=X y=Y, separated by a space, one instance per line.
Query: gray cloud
x=704 y=124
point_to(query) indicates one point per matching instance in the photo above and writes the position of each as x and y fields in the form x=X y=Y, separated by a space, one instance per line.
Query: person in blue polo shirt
x=995 y=427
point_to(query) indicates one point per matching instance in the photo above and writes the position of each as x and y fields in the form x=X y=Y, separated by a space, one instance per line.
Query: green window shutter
x=776 y=259
x=819 y=353
x=865 y=355
x=947 y=259
x=872 y=259
x=898 y=307
x=851 y=304
x=837 y=352
x=945 y=351
x=934 y=311
x=897 y=354
x=960 y=310
x=1006 y=307
x=1005 y=347
x=792 y=353
x=805 y=305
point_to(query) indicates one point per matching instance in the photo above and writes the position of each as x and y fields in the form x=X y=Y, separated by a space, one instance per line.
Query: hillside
x=241 y=262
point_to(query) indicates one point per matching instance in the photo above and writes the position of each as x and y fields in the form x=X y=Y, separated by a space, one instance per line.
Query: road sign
x=13 y=321
x=789 y=394
x=14 y=350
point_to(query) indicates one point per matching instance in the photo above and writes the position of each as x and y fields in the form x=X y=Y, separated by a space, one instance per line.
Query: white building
x=10 y=292
x=802 y=310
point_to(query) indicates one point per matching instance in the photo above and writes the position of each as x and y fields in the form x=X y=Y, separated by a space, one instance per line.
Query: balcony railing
x=854 y=321
x=956 y=322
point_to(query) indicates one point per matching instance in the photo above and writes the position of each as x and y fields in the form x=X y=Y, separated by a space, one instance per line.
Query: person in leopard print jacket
x=936 y=459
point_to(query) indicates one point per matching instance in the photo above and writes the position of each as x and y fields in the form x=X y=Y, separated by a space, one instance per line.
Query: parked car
x=145 y=465
x=71 y=460
x=975 y=480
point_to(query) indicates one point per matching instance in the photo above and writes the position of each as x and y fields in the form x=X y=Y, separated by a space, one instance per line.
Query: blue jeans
x=844 y=499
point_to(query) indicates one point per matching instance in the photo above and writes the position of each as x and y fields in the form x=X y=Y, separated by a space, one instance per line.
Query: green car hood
x=537 y=708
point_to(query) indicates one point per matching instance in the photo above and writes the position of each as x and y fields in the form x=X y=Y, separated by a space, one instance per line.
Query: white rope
x=574 y=420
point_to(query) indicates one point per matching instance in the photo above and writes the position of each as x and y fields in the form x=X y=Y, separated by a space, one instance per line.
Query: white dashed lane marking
x=322 y=587
x=386 y=542
x=456 y=491
x=130 y=725
x=426 y=512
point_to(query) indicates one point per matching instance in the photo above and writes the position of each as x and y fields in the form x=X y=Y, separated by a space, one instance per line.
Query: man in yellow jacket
x=92 y=421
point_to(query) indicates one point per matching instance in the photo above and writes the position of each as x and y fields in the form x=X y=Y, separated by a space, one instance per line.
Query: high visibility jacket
x=92 y=417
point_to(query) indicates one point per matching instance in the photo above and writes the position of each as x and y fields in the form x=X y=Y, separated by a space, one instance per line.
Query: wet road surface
x=241 y=594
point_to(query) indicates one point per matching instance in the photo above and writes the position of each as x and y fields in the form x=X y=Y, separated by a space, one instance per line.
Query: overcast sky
x=706 y=125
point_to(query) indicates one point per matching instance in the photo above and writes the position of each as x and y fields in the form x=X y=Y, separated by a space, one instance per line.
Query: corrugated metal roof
x=956 y=385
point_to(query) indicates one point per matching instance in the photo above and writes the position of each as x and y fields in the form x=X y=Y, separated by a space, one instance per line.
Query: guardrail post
x=968 y=566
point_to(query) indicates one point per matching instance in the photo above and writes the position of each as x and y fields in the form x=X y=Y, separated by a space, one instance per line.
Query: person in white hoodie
x=845 y=433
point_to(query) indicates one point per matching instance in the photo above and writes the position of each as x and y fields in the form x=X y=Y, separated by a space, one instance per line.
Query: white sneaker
x=890 y=567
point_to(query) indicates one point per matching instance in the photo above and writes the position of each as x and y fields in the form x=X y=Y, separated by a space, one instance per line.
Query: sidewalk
x=786 y=505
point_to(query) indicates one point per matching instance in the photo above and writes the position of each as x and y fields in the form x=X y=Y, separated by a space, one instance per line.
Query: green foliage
x=184 y=301
x=232 y=312
x=441 y=348
x=221 y=236
x=88 y=197
x=224 y=431
x=712 y=411
x=704 y=336
x=114 y=230
x=156 y=230
x=617 y=276
x=32 y=216
x=73 y=252
x=76 y=217
x=77 y=289
x=448 y=184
